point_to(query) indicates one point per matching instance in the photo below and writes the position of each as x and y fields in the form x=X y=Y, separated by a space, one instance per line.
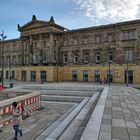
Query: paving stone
x=133 y=132
x=106 y=128
x=107 y=116
x=130 y=124
x=119 y=133
x=106 y=121
x=104 y=136
x=134 y=138
x=118 y=123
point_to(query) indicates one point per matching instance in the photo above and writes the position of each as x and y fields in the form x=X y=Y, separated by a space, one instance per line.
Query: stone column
x=50 y=57
x=40 y=53
x=30 y=49
x=22 y=51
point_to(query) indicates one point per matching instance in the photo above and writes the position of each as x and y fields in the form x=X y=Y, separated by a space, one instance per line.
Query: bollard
x=11 y=85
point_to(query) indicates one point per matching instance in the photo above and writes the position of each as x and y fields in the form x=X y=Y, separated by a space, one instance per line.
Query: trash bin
x=11 y=85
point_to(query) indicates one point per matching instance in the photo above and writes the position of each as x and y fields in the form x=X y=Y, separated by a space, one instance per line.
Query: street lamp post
x=109 y=72
x=109 y=62
x=57 y=61
x=127 y=74
x=3 y=37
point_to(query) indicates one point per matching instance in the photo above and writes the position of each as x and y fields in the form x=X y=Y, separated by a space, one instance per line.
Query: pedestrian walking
x=16 y=119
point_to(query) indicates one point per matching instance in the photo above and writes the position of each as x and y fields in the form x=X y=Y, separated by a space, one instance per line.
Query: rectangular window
x=65 y=58
x=110 y=38
x=54 y=56
x=74 y=75
x=65 y=42
x=33 y=75
x=35 y=57
x=44 y=43
x=35 y=44
x=97 y=39
x=43 y=76
x=85 y=75
x=97 y=75
x=75 y=41
x=54 y=42
x=110 y=56
x=85 y=40
x=45 y=56
x=129 y=34
x=85 y=57
x=129 y=55
x=23 y=75
x=75 y=57
x=97 y=57
x=13 y=75
x=7 y=74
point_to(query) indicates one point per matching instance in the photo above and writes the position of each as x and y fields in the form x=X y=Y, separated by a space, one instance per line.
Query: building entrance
x=130 y=76
x=23 y=75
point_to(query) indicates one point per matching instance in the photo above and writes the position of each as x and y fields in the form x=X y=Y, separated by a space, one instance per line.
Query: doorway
x=130 y=76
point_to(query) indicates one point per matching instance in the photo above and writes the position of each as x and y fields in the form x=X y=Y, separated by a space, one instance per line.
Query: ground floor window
x=97 y=75
x=128 y=76
x=13 y=75
x=85 y=75
x=110 y=76
x=33 y=75
x=7 y=74
x=74 y=75
x=43 y=76
x=23 y=75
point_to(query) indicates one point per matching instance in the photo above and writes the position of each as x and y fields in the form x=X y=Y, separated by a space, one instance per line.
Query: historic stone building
x=47 y=51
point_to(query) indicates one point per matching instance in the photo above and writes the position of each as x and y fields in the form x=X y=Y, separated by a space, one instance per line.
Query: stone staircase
x=88 y=106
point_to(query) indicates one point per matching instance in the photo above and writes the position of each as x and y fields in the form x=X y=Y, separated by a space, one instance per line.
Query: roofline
x=45 y=22
x=15 y=39
x=105 y=26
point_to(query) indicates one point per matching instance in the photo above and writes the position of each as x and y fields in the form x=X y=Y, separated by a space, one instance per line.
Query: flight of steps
x=75 y=124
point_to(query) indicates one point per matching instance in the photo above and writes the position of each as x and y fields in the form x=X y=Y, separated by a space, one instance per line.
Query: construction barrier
x=30 y=102
x=1 y=87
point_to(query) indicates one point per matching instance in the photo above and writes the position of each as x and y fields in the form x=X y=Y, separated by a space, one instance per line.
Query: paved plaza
x=86 y=111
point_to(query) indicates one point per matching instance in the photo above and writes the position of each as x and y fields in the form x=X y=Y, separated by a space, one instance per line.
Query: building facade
x=47 y=51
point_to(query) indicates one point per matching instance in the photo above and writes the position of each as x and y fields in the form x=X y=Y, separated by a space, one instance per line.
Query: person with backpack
x=16 y=119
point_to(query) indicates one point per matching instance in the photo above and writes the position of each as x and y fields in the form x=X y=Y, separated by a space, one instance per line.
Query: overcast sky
x=71 y=14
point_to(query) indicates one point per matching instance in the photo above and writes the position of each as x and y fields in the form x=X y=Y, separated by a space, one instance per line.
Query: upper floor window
x=75 y=58
x=45 y=56
x=65 y=58
x=35 y=44
x=110 y=38
x=54 y=42
x=75 y=41
x=35 y=57
x=65 y=42
x=129 y=55
x=97 y=57
x=110 y=56
x=44 y=43
x=86 y=57
x=26 y=46
x=97 y=39
x=85 y=40
x=54 y=56
x=129 y=34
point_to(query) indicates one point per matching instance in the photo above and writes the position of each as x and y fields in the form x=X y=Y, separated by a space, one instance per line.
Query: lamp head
x=5 y=37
